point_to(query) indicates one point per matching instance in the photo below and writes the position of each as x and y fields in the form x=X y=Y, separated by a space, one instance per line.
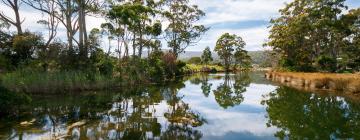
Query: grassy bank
x=349 y=83
x=194 y=68
x=54 y=82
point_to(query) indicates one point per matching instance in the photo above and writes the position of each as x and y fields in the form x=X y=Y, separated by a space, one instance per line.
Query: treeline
x=132 y=27
x=321 y=35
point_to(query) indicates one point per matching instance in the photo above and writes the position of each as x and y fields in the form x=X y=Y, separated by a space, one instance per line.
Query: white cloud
x=225 y=11
x=217 y=12
x=254 y=37
x=237 y=10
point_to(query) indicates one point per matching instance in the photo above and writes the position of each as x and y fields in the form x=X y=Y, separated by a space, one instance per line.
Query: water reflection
x=300 y=115
x=205 y=85
x=229 y=93
x=111 y=116
x=216 y=106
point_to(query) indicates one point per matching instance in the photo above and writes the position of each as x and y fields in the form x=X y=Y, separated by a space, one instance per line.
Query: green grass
x=200 y=68
x=55 y=82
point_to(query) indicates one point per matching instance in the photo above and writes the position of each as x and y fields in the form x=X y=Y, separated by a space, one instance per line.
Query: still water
x=215 y=106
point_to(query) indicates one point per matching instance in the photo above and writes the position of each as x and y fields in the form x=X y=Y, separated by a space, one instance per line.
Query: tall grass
x=333 y=81
x=44 y=82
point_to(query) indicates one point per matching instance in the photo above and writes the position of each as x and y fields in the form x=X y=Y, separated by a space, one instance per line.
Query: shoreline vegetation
x=39 y=82
x=346 y=83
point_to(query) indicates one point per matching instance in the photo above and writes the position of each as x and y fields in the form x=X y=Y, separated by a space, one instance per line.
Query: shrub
x=194 y=60
x=106 y=67
x=327 y=63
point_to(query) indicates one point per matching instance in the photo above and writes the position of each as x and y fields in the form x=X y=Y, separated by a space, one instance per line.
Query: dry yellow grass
x=331 y=81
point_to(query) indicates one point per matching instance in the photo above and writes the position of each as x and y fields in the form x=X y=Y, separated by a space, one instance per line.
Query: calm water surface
x=215 y=106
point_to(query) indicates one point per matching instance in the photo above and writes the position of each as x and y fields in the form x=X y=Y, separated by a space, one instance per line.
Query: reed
x=54 y=82
x=329 y=81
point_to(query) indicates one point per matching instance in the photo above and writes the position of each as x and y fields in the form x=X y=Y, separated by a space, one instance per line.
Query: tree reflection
x=131 y=114
x=205 y=85
x=300 y=115
x=229 y=94
x=182 y=119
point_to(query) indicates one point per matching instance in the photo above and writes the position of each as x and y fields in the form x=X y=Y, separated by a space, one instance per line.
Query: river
x=202 y=106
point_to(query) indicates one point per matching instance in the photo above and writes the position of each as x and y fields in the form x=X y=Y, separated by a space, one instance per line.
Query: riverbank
x=196 y=68
x=347 y=83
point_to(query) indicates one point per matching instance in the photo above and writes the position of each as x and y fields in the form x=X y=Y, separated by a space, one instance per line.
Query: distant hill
x=258 y=57
x=188 y=54
x=261 y=58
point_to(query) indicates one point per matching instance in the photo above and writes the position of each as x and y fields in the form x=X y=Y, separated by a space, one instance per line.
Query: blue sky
x=247 y=18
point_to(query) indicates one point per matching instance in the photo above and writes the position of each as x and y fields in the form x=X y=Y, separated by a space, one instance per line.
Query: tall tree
x=226 y=46
x=130 y=16
x=351 y=21
x=182 y=31
x=14 y=5
x=51 y=23
x=206 y=56
x=307 y=30
x=64 y=12
x=72 y=15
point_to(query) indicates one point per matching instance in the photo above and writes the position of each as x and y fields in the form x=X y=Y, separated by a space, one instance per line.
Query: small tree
x=225 y=47
x=206 y=56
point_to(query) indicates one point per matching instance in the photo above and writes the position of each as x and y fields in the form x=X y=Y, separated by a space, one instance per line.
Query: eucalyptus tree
x=307 y=30
x=151 y=39
x=72 y=15
x=14 y=5
x=51 y=23
x=242 y=58
x=351 y=20
x=228 y=45
x=64 y=11
x=206 y=56
x=182 y=30
x=109 y=30
x=130 y=16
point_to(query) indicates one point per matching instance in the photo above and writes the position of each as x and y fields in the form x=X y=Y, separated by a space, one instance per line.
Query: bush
x=327 y=64
x=25 y=44
x=106 y=67
x=194 y=60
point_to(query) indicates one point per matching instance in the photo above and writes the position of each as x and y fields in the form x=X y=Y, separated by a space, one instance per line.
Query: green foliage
x=182 y=31
x=191 y=68
x=194 y=60
x=327 y=63
x=206 y=56
x=308 y=30
x=229 y=48
x=25 y=44
x=106 y=67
